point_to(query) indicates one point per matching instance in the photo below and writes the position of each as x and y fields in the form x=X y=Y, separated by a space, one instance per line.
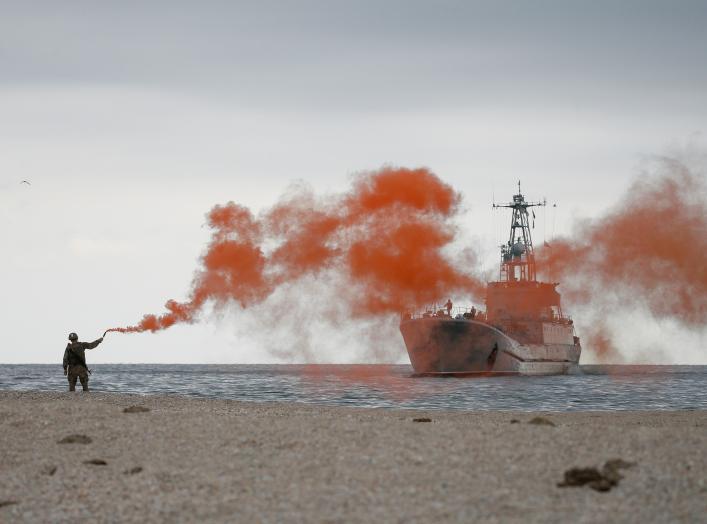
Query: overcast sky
x=131 y=119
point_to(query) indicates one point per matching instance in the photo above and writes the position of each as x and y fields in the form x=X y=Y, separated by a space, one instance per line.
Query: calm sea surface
x=382 y=386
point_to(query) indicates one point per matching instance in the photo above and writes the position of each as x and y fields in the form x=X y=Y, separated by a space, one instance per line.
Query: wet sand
x=192 y=460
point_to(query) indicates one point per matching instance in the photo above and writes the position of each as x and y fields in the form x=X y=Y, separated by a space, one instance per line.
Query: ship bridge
x=523 y=300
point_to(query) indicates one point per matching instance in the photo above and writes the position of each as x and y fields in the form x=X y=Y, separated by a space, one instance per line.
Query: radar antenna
x=517 y=256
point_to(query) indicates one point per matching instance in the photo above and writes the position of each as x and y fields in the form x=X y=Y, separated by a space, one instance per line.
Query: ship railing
x=440 y=311
x=551 y=319
x=558 y=319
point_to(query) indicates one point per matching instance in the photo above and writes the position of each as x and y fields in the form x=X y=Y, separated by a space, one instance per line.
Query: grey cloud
x=365 y=55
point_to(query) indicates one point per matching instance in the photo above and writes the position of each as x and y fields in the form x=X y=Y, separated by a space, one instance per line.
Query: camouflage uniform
x=75 y=362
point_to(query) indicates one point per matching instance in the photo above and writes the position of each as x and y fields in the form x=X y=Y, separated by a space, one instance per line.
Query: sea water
x=602 y=388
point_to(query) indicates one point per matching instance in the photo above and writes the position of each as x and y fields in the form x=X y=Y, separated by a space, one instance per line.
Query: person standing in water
x=75 y=361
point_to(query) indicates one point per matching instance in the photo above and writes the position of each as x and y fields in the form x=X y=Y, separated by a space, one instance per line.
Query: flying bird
x=25 y=182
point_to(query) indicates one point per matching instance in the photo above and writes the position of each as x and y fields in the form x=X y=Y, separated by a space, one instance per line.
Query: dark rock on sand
x=603 y=480
x=96 y=462
x=133 y=471
x=4 y=503
x=49 y=470
x=76 y=439
x=541 y=421
x=580 y=477
x=422 y=419
x=136 y=409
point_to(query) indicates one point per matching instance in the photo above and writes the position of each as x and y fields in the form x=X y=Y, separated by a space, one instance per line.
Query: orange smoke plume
x=385 y=237
x=649 y=251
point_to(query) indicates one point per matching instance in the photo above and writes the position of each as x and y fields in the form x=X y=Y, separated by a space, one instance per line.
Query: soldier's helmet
x=73 y=337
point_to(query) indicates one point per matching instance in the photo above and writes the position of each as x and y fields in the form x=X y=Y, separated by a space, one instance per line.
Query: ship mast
x=517 y=256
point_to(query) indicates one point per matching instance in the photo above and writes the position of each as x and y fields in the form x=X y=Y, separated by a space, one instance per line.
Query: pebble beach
x=104 y=457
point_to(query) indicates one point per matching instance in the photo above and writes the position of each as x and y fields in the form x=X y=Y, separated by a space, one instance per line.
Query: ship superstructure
x=523 y=330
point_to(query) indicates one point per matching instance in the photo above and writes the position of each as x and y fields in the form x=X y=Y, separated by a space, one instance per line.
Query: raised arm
x=91 y=345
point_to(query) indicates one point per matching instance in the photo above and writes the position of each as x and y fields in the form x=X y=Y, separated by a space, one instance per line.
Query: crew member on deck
x=448 y=305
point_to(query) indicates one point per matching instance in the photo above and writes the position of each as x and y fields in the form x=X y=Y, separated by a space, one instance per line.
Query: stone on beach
x=603 y=480
x=75 y=439
x=541 y=421
x=136 y=409
x=96 y=462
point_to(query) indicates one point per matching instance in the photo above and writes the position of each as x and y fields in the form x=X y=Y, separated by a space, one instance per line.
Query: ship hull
x=448 y=346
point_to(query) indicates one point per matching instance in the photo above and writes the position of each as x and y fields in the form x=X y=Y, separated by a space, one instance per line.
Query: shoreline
x=223 y=460
x=314 y=404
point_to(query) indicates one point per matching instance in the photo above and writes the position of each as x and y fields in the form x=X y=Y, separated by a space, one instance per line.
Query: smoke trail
x=384 y=238
x=381 y=247
x=647 y=253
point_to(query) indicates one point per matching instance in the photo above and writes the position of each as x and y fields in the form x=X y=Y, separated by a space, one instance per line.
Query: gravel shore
x=194 y=460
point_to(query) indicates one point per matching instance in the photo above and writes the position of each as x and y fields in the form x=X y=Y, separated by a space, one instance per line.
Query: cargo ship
x=522 y=332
